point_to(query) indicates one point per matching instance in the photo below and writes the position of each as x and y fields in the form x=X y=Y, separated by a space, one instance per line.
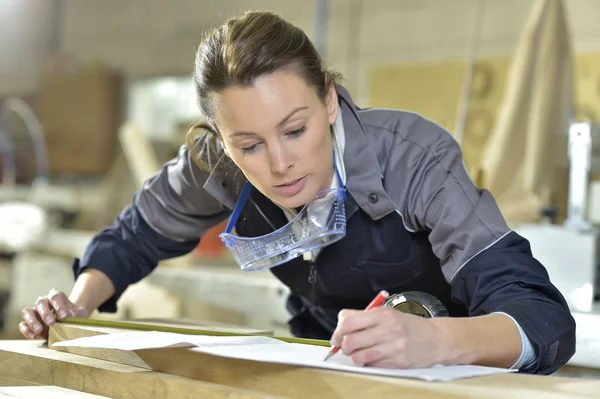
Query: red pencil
x=377 y=301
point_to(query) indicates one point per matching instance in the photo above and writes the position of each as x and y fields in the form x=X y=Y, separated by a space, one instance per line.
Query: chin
x=299 y=200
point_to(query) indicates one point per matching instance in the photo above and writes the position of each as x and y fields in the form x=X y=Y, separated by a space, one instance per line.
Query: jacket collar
x=363 y=170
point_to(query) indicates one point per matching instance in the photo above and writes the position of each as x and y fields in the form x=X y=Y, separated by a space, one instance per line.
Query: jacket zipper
x=312 y=279
x=262 y=214
x=312 y=273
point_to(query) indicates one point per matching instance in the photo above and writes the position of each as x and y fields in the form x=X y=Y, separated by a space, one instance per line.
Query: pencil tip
x=331 y=353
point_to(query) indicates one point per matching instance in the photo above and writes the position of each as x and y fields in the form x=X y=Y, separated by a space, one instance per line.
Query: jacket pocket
x=392 y=276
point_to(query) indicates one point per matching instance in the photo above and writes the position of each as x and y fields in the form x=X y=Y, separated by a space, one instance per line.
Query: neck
x=329 y=179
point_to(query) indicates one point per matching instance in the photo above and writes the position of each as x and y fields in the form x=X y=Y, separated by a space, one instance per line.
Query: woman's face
x=278 y=133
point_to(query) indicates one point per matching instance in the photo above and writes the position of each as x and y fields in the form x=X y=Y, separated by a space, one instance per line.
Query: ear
x=331 y=102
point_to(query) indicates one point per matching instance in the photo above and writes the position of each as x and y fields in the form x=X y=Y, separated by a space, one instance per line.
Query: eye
x=249 y=150
x=298 y=132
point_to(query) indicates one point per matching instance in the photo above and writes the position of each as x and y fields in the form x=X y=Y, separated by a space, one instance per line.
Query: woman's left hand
x=385 y=337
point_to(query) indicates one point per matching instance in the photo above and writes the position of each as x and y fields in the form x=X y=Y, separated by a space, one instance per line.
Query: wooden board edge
x=34 y=363
x=59 y=332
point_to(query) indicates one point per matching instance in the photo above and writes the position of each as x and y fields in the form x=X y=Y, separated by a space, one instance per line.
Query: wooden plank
x=32 y=361
x=302 y=382
x=548 y=385
x=64 y=332
x=14 y=382
x=44 y=392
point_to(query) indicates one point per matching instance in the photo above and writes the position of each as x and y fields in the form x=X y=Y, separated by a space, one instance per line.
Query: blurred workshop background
x=95 y=95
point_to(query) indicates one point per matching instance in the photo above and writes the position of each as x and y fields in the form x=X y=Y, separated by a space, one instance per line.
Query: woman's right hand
x=44 y=313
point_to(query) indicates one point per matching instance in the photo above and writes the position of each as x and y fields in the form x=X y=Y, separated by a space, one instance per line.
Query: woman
x=414 y=218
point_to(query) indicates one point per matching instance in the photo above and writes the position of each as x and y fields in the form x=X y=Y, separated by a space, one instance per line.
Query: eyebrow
x=281 y=123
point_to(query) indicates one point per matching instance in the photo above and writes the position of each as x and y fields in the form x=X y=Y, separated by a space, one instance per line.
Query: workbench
x=264 y=297
x=182 y=373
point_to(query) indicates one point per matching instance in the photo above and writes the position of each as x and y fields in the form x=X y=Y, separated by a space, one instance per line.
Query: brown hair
x=238 y=52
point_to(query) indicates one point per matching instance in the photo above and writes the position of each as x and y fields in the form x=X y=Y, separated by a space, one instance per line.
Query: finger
x=42 y=306
x=360 y=320
x=59 y=303
x=26 y=331
x=389 y=363
x=391 y=354
x=30 y=317
x=351 y=320
x=348 y=312
x=369 y=337
x=338 y=333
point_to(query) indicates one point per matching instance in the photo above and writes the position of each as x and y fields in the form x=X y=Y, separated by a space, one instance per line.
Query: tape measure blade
x=128 y=325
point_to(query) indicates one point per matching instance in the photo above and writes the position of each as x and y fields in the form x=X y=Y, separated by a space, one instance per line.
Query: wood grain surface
x=33 y=362
x=302 y=382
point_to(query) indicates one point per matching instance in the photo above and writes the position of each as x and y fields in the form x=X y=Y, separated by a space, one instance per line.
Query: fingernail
x=63 y=314
x=37 y=329
x=334 y=342
x=48 y=319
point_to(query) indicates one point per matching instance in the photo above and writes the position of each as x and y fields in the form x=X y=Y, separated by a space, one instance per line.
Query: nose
x=281 y=160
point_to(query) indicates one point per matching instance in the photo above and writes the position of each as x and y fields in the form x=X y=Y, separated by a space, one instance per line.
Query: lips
x=290 y=183
x=291 y=187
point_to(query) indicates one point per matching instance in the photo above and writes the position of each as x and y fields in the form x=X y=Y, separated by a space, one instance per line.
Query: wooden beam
x=14 y=382
x=35 y=363
x=303 y=382
x=65 y=332
x=138 y=151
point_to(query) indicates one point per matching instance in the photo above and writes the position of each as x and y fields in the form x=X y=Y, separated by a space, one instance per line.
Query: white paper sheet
x=44 y=392
x=136 y=340
x=312 y=356
x=265 y=349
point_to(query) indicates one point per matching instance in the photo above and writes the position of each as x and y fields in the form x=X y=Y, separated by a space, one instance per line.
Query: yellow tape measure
x=182 y=330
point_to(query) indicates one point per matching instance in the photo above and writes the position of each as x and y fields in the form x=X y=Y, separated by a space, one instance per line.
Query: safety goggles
x=320 y=223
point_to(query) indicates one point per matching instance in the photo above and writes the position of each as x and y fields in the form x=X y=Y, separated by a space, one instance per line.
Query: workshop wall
x=25 y=41
x=153 y=37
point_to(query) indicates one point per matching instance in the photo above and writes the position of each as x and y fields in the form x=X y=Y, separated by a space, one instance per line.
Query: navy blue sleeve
x=128 y=251
x=507 y=278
